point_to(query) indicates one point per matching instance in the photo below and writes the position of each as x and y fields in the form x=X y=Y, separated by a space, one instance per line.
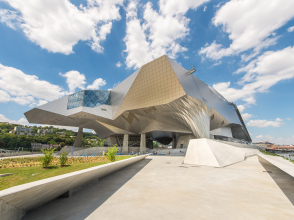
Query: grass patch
x=30 y=174
x=273 y=154
x=37 y=161
x=269 y=153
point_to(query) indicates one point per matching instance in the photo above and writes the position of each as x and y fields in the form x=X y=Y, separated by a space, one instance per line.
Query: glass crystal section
x=95 y=98
x=75 y=100
x=89 y=98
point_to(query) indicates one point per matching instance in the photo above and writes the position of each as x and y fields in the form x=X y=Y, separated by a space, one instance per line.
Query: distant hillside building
x=44 y=131
x=37 y=146
x=60 y=133
x=23 y=130
x=264 y=144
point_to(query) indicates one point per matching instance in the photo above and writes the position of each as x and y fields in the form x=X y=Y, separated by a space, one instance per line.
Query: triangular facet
x=156 y=84
x=120 y=91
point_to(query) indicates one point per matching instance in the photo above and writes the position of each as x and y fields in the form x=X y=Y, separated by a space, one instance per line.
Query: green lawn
x=30 y=174
x=269 y=153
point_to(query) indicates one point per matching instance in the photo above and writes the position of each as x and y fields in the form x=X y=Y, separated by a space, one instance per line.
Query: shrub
x=63 y=159
x=47 y=158
x=101 y=142
x=112 y=153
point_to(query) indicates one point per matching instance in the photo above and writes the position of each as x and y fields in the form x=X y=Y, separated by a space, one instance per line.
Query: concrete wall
x=17 y=200
x=68 y=149
x=185 y=140
x=18 y=154
x=169 y=151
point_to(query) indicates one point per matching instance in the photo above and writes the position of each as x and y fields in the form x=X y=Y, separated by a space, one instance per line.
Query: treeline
x=13 y=141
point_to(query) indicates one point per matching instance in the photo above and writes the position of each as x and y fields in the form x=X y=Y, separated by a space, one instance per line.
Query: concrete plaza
x=161 y=187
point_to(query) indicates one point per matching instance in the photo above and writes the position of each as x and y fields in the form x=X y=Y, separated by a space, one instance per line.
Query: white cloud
x=204 y=8
x=264 y=123
x=160 y=31
x=4 y=96
x=217 y=63
x=118 y=64
x=259 y=136
x=246 y=116
x=24 y=89
x=27 y=89
x=21 y=121
x=97 y=84
x=290 y=29
x=74 y=79
x=289 y=119
x=241 y=108
x=58 y=25
x=249 y=24
x=261 y=73
x=10 y=18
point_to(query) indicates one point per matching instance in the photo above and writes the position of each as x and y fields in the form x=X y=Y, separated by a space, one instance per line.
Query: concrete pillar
x=125 y=148
x=143 y=143
x=78 y=141
x=174 y=143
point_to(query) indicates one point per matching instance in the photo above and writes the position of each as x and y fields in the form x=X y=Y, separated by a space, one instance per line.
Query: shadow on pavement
x=282 y=179
x=87 y=200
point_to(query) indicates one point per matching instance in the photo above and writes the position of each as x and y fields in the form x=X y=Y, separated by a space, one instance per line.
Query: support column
x=174 y=144
x=126 y=144
x=78 y=141
x=143 y=143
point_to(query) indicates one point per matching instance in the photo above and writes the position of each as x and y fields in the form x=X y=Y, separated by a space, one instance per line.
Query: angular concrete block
x=208 y=152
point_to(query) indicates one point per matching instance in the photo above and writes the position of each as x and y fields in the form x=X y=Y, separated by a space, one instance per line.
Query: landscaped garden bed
x=29 y=169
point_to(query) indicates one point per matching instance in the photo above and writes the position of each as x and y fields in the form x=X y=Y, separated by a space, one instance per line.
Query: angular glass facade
x=75 y=100
x=89 y=98
x=95 y=98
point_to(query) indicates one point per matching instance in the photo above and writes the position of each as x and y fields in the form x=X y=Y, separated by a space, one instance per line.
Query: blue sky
x=244 y=49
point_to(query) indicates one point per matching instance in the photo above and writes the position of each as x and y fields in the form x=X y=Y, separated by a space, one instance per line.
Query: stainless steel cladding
x=159 y=99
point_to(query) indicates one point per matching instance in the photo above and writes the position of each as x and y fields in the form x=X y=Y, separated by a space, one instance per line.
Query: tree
x=63 y=159
x=51 y=142
x=35 y=129
x=101 y=142
x=47 y=158
x=155 y=144
x=111 y=155
x=2 y=144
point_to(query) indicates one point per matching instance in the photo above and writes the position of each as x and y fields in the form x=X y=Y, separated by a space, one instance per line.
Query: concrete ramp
x=208 y=152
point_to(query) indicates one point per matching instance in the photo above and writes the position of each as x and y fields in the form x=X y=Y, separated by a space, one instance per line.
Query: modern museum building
x=161 y=101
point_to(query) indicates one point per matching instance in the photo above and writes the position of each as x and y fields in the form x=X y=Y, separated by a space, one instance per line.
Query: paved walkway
x=163 y=188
